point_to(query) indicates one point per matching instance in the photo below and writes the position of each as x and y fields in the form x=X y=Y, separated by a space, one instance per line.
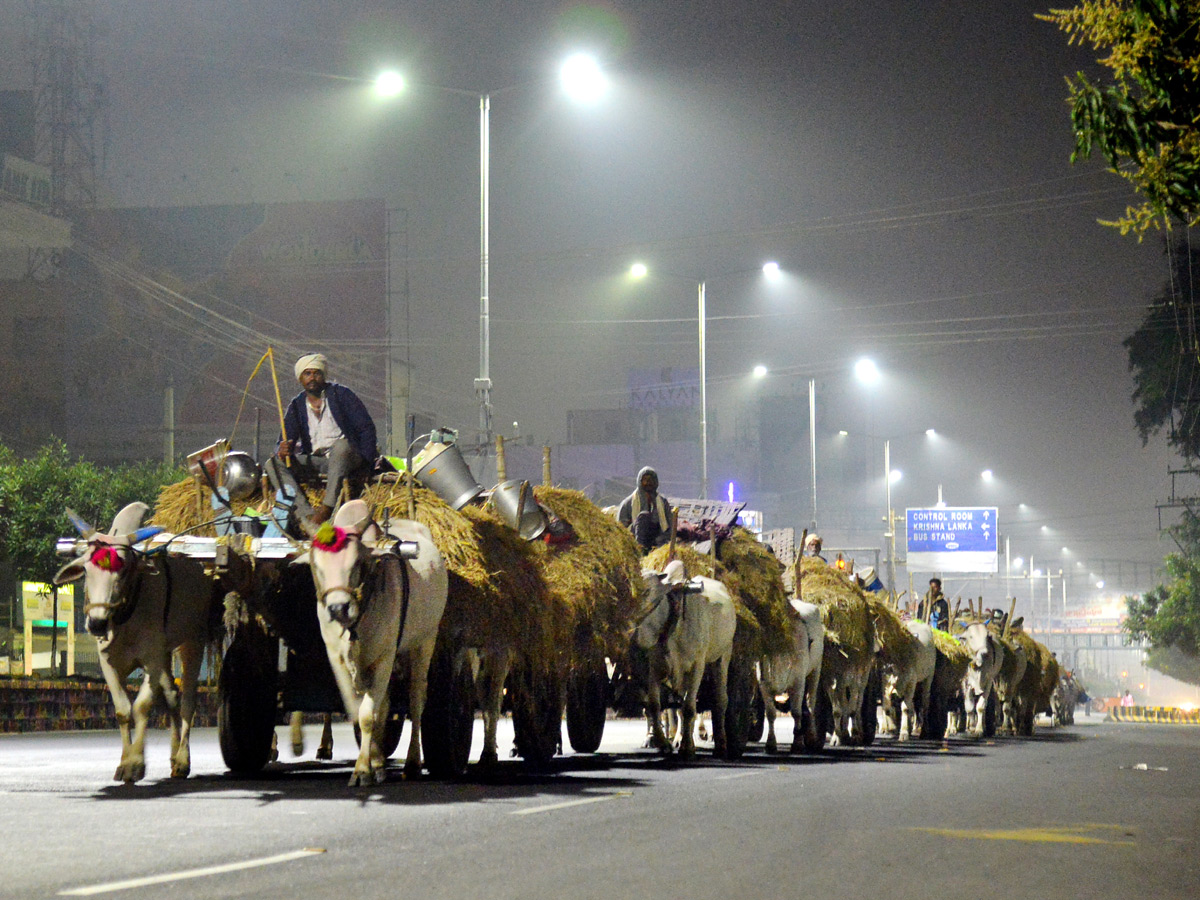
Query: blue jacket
x=349 y=413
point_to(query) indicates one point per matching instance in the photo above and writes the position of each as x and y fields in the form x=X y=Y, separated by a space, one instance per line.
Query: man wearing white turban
x=327 y=430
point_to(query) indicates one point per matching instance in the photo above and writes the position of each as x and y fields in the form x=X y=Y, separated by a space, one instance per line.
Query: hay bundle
x=186 y=506
x=498 y=597
x=844 y=610
x=598 y=575
x=898 y=647
x=756 y=577
x=1041 y=673
x=748 y=638
x=952 y=649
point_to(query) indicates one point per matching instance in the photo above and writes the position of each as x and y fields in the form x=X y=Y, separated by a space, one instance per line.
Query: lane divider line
x=569 y=803
x=168 y=877
x=736 y=775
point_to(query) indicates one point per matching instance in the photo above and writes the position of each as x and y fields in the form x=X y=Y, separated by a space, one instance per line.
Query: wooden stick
x=674 y=529
x=546 y=480
x=501 y=462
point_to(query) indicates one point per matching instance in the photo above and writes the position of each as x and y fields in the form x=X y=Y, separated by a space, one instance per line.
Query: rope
x=269 y=355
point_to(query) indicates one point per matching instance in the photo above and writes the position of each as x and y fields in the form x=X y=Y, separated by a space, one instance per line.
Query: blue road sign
x=951 y=539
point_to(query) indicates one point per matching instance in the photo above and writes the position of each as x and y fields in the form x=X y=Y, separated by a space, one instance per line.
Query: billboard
x=951 y=539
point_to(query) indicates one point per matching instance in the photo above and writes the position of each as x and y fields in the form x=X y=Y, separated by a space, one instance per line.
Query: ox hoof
x=325 y=753
x=130 y=772
x=772 y=745
x=181 y=771
x=798 y=746
x=367 y=779
x=298 y=749
x=489 y=758
x=412 y=771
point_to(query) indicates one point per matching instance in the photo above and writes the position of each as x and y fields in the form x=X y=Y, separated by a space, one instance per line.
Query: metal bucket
x=441 y=468
x=529 y=522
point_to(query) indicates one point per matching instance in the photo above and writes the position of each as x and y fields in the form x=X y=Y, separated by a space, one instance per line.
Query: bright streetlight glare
x=1018 y=562
x=583 y=79
x=896 y=475
x=843 y=433
x=389 y=83
x=760 y=371
x=638 y=270
x=1066 y=550
x=771 y=271
x=1100 y=585
x=866 y=371
x=986 y=475
x=930 y=432
x=1046 y=528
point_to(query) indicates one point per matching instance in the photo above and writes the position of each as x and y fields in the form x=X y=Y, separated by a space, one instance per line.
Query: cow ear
x=72 y=571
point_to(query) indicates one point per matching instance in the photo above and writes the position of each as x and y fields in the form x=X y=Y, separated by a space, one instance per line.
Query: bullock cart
x=274 y=660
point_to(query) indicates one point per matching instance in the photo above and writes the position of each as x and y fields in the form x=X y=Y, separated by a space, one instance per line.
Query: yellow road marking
x=1064 y=834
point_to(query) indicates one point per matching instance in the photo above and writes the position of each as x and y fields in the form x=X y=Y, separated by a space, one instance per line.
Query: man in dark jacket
x=327 y=430
x=646 y=512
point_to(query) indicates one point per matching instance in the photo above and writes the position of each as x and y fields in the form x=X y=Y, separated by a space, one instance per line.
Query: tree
x=1164 y=357
x=1145 y=122
x=35 y=494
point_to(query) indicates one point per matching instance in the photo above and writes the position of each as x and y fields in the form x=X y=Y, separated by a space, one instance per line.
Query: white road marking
x=737 y=775
x=568 y=803
x=188 y=873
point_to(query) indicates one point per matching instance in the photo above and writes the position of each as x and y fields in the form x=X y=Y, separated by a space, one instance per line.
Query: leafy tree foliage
x=35 y=493
x=1144 y=122
x=1164 y=356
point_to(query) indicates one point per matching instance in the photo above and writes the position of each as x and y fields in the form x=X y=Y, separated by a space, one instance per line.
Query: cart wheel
x=869 y=712
x=247 y=700
x=758 y=722
x=989 y=715
x=392 y=733
x=739 y=709
x=448 y=724
x=536 y=714
x=937 y=718
x=824 y=713
x=587 y=705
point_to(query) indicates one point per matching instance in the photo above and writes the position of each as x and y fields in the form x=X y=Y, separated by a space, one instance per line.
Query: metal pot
x=442 y=469
x=528 y=521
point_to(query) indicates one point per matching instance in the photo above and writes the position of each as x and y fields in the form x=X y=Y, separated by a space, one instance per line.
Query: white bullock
x=379 y=596
x=986 y=657
x=687 y=627
x=140 y=611
x=909 y=687
x=797 y=673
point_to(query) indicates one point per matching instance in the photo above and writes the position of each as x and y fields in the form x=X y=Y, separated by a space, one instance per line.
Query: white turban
x=311 y=361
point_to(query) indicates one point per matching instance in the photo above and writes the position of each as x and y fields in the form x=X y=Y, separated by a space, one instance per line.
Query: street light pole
x=483 y=384
x=891 y=530
x=703 y=396
x=812 y=445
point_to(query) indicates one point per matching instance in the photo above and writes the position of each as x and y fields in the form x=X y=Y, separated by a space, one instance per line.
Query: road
x=1065 y=814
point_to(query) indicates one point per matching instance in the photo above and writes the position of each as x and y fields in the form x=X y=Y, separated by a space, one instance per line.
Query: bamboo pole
x=546 y=480
x=501 y=461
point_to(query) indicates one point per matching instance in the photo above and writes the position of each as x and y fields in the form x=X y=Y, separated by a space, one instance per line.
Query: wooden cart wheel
x=739 y=709
x=448 y=723
x=587 y=705
x=536 y=714
x=248 y=699
x=869 y=712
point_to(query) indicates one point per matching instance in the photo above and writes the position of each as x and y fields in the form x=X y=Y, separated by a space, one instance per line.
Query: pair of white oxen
x=141 y=609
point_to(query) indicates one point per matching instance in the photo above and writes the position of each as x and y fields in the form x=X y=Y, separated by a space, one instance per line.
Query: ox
x=1007 y=686
x=140 y=612
x=686 y=627
x=986 y=657
x=908 y=687
x=379 y=597
x=797 y=673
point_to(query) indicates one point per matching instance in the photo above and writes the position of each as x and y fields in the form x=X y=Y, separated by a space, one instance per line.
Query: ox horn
x=85 y=530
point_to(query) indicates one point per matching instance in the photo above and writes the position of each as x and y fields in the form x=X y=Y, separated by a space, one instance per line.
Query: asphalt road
x=1065 y=814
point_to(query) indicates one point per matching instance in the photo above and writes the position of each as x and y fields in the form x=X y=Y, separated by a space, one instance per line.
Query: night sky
x=905 y=163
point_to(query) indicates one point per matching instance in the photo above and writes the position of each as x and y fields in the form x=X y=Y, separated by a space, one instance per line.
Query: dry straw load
x=186 y=506
x=1041 y=677
x=898 y=647
x=849 y=626
x=952 y=661
x=597 y=573
x=498 y=596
